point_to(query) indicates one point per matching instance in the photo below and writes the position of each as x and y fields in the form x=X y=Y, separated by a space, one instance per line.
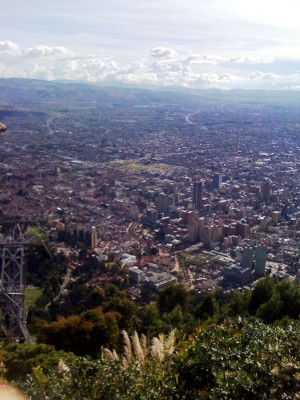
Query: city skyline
x=194 y=44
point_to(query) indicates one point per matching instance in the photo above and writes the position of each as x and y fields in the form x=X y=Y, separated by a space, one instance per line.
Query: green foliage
x=175 y=308
x=289 y=294
x=238 y=304
x=45 y=273
x=240 y=360
x=173 y=296
x=207 y=308
x=89 y=267
x=31 y=296
x=102 y=380
x=19 y=359
x=271 y=310
x=262 y=293
x=83 y=334
x=174 y=317
x=37 y=233
x=79 y=299
x=273 y=301
x=118 y=301
x=150 y=319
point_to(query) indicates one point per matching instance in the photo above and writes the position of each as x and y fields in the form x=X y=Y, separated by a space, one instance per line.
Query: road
x=184 y=272
x=189 y=121
x=62 y=287
x=51 y=119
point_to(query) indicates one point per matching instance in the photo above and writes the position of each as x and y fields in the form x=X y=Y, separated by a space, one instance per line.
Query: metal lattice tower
x=12 y=286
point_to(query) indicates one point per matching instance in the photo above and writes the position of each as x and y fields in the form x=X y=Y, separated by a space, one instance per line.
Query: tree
x=82 y=334
x=238 y=304
x=19 y=359
x=174 y=318
x=151 y=322
x=271 y=310
x=239 y=359
x=262 y=292
x=289 y=294
x=272 y=301
x=79 y=298
x=173 y=296
x=116 y=300
x=207 y=308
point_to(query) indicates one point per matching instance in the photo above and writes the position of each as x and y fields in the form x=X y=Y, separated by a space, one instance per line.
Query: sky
x=224 y=44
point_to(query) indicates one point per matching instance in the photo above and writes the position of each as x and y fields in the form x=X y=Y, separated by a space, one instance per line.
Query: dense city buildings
x=157 y=174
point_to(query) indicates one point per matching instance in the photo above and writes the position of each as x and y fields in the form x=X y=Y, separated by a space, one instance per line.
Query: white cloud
x=263 y=76
x=128 y=29
x=11 y=49
x=216 y=80
x=163 y=52
x=132 y=68
x=252 y=60
x=192 y=58
x=46 y=51
x=8 y=48
x=164 y=66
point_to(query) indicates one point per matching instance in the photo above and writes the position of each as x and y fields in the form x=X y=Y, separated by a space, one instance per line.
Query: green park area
x=31 y=296
x=135 y=166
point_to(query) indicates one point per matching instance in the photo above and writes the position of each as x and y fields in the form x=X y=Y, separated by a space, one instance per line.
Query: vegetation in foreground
x=237 y=359
x=242 y=345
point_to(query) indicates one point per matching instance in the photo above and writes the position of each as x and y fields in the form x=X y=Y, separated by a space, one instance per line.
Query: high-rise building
x=195 y=230
x=266 y=192
x=198 y=195
x=242 y=229
x=284 y=211
x=207 y=234
x=236 y=274
x=276 y=217
x=247 y=259
x=217 y=180
x=261 y=256
x=217 y=232
x=94 y=240
x=163 y=203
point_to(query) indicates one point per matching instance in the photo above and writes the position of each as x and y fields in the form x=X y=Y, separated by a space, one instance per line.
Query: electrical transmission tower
x=12 y=286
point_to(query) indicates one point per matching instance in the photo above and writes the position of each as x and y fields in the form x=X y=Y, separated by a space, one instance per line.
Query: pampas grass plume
x=127 y=346
x=137 y=348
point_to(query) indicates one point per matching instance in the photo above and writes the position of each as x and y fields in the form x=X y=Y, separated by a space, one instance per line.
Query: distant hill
x=52 y=94
x=39 y=94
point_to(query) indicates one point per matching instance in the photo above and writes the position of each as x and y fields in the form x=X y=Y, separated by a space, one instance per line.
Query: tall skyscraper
x=266 y=192
x=198 y=195
x=247 y=259
x=217 y=180
x=261 y=256
x=94 y=239
x=163 y=202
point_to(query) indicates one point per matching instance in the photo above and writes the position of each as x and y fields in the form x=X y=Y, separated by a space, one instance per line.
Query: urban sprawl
x=209 y=196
